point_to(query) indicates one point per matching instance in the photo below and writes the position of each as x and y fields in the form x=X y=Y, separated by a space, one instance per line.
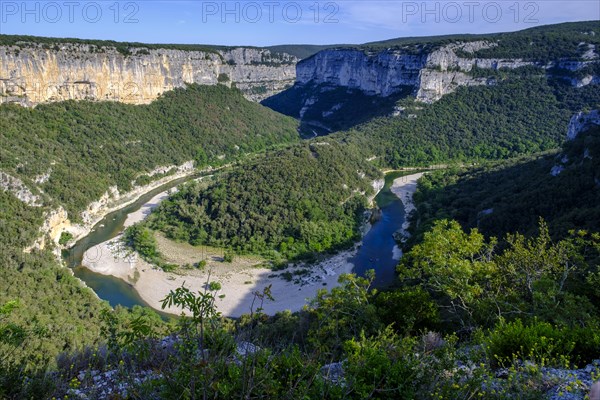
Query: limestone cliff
x=347 y=84
x=33 y=73
x=432 y=74
x=375 y=73
x=581 y=122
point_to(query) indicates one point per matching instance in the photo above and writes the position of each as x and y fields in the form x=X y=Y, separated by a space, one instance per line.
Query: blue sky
x=269 y=22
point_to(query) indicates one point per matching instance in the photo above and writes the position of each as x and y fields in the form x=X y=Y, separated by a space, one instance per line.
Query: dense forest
x=517 y=116
x=305 y=199
x=541 y=43
x=545 y=43
x=512 y=195
x=86 y=147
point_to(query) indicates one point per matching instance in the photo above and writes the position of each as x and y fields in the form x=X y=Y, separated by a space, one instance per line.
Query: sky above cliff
x=261 y=23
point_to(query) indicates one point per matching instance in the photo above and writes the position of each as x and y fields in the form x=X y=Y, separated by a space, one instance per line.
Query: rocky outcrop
x=581 y=122
x=57 y=221
x=375 y=73
x=31 y=73
x=19 y=190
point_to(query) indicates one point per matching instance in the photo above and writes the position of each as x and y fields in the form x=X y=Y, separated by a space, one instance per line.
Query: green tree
x=341 y=314
x=452 y=263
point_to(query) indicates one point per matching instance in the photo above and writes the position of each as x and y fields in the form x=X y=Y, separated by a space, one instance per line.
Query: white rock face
x=19 y=190
x=31 y=74
x=579 y=122
x=445 y=71
x=432 y=75
x=57 y=221
x=434 y=84
x=381 y=73
x=582 y=121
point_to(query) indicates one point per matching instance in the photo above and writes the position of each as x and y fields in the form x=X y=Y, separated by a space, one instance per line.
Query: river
x=376 y=251
x=109 y=288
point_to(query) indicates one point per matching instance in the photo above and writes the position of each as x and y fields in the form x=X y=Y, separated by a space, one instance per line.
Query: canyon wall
x=31 y=73
x=432 y=74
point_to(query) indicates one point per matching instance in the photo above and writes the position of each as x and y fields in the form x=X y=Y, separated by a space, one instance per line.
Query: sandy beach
x=238 y=285
x=239 y=280
x=404 y=187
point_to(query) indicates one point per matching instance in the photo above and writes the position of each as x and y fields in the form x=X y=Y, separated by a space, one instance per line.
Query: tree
x=342 y=314
x=201 y=158
x=452 y=263
x=531 y=277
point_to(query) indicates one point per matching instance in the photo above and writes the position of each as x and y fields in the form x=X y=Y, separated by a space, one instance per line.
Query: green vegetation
x=290 y=203
x=479 y=282
x=88 y=147
x=510 y=196
x=517 y=116
x=278 y=55
x=542 y=43
x=100 y=45
x=222 y=78
x=545 y=43
x=65 y=237
x=289 y=356
x=143 y=241
x=301 y=50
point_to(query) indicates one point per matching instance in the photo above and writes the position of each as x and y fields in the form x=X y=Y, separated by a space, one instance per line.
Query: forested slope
x=251 y=210
x=521 y=115
x=86 y=147
x=513 y=195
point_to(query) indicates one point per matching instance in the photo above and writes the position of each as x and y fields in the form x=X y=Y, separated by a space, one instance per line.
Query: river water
x=375 y=253
x=378 y=244
x=109 y=288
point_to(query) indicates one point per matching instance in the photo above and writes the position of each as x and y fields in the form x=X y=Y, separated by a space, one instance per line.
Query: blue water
x=378 y=244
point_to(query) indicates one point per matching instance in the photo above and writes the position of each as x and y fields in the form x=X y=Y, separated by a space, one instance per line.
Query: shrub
x=537 y=341
x=228 y=256
x=408 y=309
x=142 y=240
x=65 y=238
